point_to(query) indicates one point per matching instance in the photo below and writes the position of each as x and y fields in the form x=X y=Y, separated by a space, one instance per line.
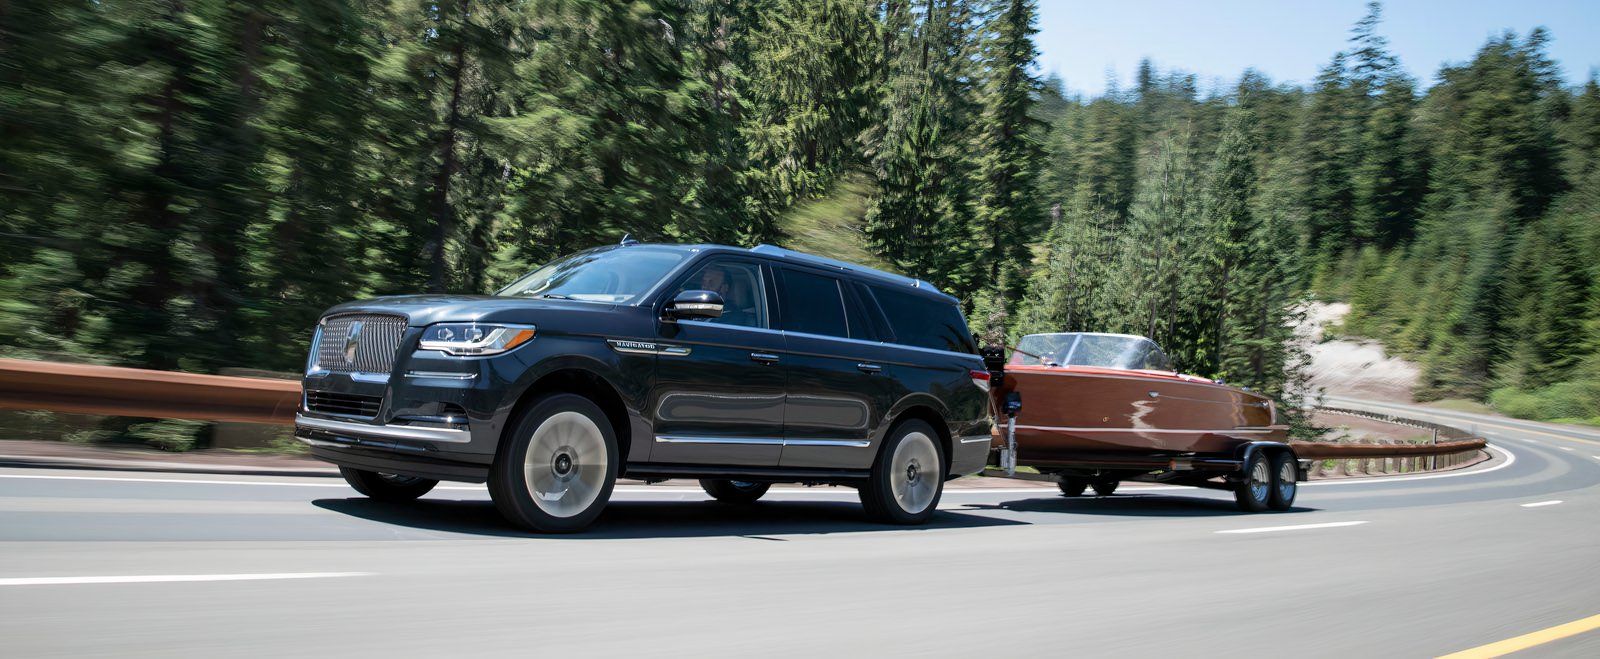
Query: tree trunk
x=439 y=203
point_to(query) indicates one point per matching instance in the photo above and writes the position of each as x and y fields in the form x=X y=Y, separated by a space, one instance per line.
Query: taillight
x=980 y=378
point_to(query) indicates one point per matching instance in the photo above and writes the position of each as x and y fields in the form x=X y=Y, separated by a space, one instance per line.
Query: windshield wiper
x=554 y=296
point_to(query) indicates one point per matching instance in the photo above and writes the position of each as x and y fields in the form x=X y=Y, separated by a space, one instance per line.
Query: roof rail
x=841 y=265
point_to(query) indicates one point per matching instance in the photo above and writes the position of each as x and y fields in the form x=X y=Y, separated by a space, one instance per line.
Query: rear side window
x=924 y=322
x=813 y=304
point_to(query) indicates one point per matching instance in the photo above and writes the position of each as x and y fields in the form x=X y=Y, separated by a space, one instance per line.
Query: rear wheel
x=1104 y=486
x=557 y=466
x=1284 y=486
x=1072 y=487
x=726 y=491
x=1254 y=492
x=386 y=487
x=908 y=477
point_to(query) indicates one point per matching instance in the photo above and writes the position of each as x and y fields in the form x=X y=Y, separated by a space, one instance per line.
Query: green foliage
x=189 y=184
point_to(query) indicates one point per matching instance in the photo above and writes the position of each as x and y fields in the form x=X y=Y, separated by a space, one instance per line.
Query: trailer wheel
x=1254 y=491
x=1284 y=486
x=1072 y=487
x=1104 y=487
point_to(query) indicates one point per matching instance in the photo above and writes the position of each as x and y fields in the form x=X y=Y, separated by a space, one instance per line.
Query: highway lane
x=1393 y=567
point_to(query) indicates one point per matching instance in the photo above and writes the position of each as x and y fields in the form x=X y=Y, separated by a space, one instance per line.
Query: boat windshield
x=610 y=274
x=1118 y=351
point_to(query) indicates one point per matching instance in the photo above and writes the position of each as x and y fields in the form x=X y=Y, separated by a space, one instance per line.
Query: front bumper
x=381 y=433
x=393 y=449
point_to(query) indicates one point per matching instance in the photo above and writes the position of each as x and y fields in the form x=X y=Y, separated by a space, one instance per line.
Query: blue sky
x=1289 y=40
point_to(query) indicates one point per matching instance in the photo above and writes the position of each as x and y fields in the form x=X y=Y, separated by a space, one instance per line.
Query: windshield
x=616 y=275
x=1084 y=349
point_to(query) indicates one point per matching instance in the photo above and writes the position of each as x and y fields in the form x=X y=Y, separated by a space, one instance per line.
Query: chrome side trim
x=451 y=435
x=763 y=441
x=756 y=441
x=441 y=375
x=971 y=439
x=854 y=443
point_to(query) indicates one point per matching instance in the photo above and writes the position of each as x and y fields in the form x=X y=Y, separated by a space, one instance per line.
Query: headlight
x=474 y=338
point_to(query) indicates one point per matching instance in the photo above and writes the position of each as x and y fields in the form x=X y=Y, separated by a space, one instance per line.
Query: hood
x=423 y=310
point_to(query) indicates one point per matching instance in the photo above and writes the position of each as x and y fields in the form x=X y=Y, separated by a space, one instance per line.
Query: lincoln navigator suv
x=738 y=367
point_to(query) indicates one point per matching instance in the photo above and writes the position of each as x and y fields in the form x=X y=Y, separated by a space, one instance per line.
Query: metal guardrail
x=1458 y=448
x=116 y=391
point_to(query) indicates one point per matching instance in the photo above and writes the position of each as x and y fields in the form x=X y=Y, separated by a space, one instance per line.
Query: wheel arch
x=588 y=384
x=932 y=417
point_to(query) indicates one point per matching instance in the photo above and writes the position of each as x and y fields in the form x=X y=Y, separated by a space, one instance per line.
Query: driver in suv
x=737 y=367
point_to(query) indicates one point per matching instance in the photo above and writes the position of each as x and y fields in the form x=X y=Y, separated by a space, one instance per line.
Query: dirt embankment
x=1354 y=368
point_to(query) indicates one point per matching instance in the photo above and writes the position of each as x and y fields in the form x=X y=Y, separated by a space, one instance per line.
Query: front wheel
x=736 y=492
x=1104 y=486
x=557 y=465
x=908 y=477
x=386 y=487
x=1254 y=492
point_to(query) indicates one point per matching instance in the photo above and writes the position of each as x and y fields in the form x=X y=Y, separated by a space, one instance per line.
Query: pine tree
x=921 y=217
x=1008 y=213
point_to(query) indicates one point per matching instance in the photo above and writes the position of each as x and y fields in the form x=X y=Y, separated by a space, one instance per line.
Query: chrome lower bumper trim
x=450 y=435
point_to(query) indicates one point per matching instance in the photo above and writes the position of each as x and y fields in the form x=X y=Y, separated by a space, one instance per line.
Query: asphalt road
x=91 y=562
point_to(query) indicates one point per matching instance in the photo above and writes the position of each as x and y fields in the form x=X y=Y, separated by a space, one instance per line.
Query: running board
x=764 y=474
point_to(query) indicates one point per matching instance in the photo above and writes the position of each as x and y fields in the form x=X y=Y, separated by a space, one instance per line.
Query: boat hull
x=1073 y=414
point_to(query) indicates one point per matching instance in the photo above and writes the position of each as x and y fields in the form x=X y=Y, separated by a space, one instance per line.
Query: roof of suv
x=817 y=261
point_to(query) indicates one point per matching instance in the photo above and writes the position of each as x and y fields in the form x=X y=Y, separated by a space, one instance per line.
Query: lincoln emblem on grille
x=351 y=341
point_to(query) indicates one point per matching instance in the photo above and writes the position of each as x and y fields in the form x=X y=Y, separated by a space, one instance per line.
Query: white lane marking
x=1568 y=448
x=1541 y=504
x=1295 y=527
x=168 y=578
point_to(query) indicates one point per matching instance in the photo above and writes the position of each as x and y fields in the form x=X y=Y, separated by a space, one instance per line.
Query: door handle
x=763 y=357
x=869 y=368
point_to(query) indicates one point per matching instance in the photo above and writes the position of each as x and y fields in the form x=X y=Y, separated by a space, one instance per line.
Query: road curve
x=149 y=564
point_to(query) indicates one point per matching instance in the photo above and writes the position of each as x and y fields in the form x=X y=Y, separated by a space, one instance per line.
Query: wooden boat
x=1087 y=394
x=1092 y=410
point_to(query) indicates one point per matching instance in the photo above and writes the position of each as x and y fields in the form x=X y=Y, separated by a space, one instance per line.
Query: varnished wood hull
x=1073 y=414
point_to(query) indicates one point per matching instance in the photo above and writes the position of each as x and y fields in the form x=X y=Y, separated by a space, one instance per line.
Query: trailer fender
x=1249 y=450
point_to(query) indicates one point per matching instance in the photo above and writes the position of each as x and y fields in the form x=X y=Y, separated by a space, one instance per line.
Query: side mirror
x=694 y=305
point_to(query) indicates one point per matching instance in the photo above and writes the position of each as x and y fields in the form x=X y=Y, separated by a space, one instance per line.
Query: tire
x=1104 y=487
x=907 y=479
x=1284 y=487
x=735 y=492
x=557 y=465
x=1072 y=487
x=1254 y=491
x=386 y=487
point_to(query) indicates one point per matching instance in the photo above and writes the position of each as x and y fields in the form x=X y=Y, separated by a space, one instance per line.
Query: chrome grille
x=374 y=345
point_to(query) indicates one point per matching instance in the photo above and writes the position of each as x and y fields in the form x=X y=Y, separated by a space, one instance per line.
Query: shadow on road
x=653 y=519
x=1129 y=505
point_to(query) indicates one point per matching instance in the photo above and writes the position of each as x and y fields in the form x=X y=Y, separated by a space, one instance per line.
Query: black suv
x=739 y=367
